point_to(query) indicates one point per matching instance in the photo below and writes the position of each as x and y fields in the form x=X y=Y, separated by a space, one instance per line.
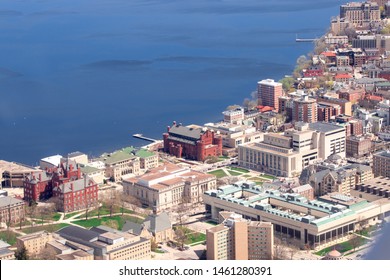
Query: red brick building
x=352 y=95
x=38 y=186
x=66 y=183
x=192 y=142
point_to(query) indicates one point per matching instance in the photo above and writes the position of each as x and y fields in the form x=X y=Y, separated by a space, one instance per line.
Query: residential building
x=239 y=239
x=327 y=111
x=306 y=223
x=234 y=116
x=168 y=186
x=381 y=164
x=360 y=14
x=109 y=244
x=305 y=110
x=11 y=210
x=34 y=242
x=331 y=39
x=12 y=174
x=190 y=142
x=268 y=93
x=358 y=146
x=346 y=106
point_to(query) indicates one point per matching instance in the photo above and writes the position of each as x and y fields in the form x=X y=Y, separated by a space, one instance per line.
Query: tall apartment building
x=360 y=14
x=305 y=110
x=239 y=239
x=234 y=116
x=268 y=93
x=381 y=164
x=286 y=155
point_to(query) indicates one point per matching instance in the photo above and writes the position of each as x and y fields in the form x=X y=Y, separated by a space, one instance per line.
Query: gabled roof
x=157 y=223
x=132 y=227
x=192 y=133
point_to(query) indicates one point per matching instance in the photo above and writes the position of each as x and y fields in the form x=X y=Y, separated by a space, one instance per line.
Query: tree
x=21 y=254
x=287 y=83
x=45 y=212
x=31 y=212
x=153 y=245
x=279 y=250
x=181 y=236
x=112 y=201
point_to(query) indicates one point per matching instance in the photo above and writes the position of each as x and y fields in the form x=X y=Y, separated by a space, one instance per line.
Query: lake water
x=86 y=75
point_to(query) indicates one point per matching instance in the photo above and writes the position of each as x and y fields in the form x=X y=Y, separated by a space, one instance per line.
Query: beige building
x=287 y=154
x=168 y=186
x=12 y=174
x=239 y=239
x=148 y=160
x=78 y=157
x=120 y=164
x=108 y=243
x=236 y=134
x=75 y=255
x=361 y=14
x=94 y=173
x=34 y=242
x=304 y=222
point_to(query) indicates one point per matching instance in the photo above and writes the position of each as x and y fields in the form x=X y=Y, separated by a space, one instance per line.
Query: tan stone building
x=76 y=255
x=12 y=174
x=5 y=252
x=239 y=239
x=34 y=242
x=148 y=160
x=11 y=210
x=120 y=164
x=168 y=186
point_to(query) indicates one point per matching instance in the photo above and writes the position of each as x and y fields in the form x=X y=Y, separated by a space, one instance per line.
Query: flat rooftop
x=325 y=127
x=15 y=167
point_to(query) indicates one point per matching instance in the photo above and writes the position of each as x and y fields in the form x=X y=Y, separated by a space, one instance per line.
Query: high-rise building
x=268 y=93
x=305 y=110
x=360 y=14
x=239 y=239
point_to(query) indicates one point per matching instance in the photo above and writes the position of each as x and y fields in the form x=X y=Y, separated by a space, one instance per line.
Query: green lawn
x=233 y=173
x=242 y=170
x=69 y=215
x=266 y=176
x=195 y=237
x=104 y=210
x=49 y=228
x=219 y=173
x=56 y=216
x=211 y=223
x=344 y=246
x=94 y=222
x=9 y=237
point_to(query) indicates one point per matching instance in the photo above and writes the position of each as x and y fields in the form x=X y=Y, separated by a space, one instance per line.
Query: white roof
x=54 y=160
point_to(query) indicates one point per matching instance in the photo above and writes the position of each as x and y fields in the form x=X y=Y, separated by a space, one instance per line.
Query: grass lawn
x=94 y=222
x=233 y=173
x=219 y=173
x=266 y=176
x=56 y=216
x=242 y=170
x=195 y=237
x=9 y=237
x=344 y=246
x=106 y=211
x=49 y=228
x=211 y=223
x=69 y=215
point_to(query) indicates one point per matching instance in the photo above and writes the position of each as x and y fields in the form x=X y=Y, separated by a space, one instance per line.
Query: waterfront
x=77 y=77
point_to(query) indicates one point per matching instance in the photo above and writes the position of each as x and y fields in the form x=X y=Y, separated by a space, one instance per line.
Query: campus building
x=307 y=223
x=240 y=239
x=192 y=142
x=168 y=186
x=268 y=93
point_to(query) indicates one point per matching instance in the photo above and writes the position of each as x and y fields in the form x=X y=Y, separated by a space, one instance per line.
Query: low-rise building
x=148 y=160
x=11 y=210
x=12 y=174
x=381 y=164
x=168 y=186
x=120 y=164
x=34 y=242
x=109 y=244
x=5 y=252
x=358 y=146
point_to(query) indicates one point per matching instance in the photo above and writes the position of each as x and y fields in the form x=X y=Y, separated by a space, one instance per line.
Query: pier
x=299 y=40
x=140 y=136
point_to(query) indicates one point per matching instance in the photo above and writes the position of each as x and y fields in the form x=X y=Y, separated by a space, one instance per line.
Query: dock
x=140 y=136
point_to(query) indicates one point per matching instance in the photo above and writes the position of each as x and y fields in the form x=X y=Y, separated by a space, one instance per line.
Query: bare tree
x=181 y=236
x=31 y=212
x=280 y=252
